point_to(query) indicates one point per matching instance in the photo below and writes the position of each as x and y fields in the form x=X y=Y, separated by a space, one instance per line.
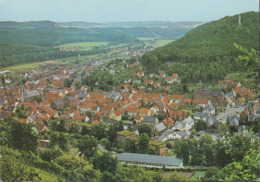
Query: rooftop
x=125 y=133
x=154 y=159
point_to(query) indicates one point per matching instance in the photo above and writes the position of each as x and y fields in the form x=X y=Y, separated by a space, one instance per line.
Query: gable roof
x=160 y=126
x=177 y=96
x=148 y=119
x=168 y=121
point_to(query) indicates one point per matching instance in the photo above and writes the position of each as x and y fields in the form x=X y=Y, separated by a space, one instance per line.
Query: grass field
x=46 y=176
x=186 y=175
x=29 y=66
x=146 y=38
x=22 y=66
x=197 y=175
x=84 y=45
x=163 y=42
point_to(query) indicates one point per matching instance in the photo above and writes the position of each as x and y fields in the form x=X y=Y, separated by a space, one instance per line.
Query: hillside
x=210 y=42
x=34 y=41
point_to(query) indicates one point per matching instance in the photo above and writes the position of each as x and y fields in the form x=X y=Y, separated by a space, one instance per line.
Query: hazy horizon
x=104 y=11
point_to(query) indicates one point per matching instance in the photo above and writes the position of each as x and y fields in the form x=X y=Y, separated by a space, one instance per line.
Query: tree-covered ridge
x=213 y=40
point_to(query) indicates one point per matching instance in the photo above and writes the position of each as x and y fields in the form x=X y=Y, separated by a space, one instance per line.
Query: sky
x=122 y=10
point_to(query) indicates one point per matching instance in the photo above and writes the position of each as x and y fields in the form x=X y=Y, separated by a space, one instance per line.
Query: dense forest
x=207 y=52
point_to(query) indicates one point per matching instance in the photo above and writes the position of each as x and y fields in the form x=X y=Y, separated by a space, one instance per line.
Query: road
x=230 y=112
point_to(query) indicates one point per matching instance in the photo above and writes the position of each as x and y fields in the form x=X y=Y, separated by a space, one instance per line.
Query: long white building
x=150 y=160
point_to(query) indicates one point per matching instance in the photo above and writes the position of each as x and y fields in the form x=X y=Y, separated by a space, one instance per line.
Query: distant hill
x=208 y=50
x=213 y=40
x=22 y=42
x=78 y=24
x=152 y=24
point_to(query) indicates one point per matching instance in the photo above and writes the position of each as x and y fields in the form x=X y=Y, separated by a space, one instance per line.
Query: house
x=57 y=104
x=232 y=101
x=174 y=135
x=211 y=120
x=175 y=77
x=140 y=74
x=32 y=94
x=127 y=80
x=117 y=116
x=162 y=75
x=69 y=100
x=150 y=120
x=158 y=129
x=168 y=122
x=153 y=161
x=44 y=143
x=132 y=111
x=155 y=109
x=133 y=74
x=209 y=109
x=145 y=112
x=241 y=101
x=177 y=97
x=160 y=147
x=233 y=120
x=186 y=102
x=148 y=82
x=122 y=136
x=112 y=72
x=98 y=116
x=126 y=87
x=256 y=107
x=152 y=75
x=186 y=124
x=106 y=111
x=201 y=102
x=169 y=80
x=198 y=115
x=189 y=123
x=45 y=103
x=156 y=85
x=138 y=119
x=229 y=95
x=8 y=80
x=167 y=64
x=215 y=96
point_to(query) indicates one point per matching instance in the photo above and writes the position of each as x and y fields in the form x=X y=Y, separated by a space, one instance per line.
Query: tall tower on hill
x=239 y=20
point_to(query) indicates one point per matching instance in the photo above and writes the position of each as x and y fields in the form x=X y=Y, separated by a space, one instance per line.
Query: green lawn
x=29 y=66
x=84 y=45
x=163 y=42
x=22 y=66
x=46 y=176
x=197 y=175
x=146 y=38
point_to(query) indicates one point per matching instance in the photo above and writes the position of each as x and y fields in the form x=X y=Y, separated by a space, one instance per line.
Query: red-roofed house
x=132 y=111
x=168 y=122
x=201 y=102
x=145 y=112
x=117 y=116
x=177 y=97
x=169 y=80
x=175 y=76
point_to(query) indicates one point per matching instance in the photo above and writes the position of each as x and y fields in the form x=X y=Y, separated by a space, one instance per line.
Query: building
x=151 y=120
x=57 y=104
x=122 y=136
x=160 y=147
x=145 y=160
x=209 y=94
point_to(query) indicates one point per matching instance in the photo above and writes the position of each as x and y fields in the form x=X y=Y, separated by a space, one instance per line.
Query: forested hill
x=211 y=41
